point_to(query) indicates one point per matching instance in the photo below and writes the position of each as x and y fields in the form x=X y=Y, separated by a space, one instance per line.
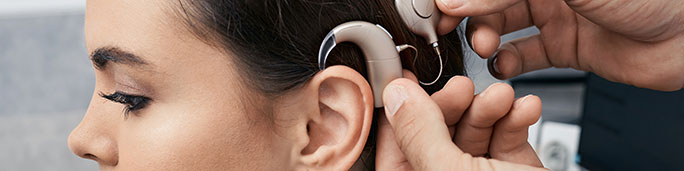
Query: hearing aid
x=422 y=17
x=381 y=54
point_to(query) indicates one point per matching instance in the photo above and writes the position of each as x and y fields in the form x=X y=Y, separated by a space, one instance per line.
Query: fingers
x=473 y=7
x=409 y=75
x=454 y=98
x=509 y=140
x=388 y=155
x=503 y=165
x=518 y=57
x=453 y=13
x=447 y=24
x=474 y=131
x=418 y=125
x=421 y=136
x=652 y=23
x=484 y=32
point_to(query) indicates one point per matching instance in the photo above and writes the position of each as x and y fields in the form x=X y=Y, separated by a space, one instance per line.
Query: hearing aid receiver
x=382 y=56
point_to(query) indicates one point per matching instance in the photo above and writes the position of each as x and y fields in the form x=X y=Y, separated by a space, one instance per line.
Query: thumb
x=419 y=128
x=422 y=135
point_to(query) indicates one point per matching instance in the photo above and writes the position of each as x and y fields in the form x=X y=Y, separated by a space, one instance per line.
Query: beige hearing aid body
x=382 y=56
x=421 y=17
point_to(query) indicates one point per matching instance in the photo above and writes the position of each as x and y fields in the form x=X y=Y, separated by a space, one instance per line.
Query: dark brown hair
x=275 y=42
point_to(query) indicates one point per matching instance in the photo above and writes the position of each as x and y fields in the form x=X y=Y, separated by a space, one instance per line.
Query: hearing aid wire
x=435 y=47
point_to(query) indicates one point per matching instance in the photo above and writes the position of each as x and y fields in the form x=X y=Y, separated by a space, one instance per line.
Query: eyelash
x=132 y=103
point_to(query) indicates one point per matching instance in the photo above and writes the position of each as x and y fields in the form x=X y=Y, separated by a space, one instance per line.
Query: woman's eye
x=132 y=102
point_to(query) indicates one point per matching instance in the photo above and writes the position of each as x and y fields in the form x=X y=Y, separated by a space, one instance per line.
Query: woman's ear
x=339 y=121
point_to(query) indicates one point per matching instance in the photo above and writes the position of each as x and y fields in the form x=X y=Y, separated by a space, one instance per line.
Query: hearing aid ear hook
x=382 y=56
x=422 y=17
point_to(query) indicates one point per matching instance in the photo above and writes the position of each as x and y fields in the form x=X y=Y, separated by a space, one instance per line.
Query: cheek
x=182 y=138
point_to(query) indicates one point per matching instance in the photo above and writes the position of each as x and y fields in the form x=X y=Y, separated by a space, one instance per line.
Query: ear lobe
x=338 y=134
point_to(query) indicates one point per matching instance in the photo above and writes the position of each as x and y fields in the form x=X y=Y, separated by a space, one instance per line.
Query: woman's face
x=165 y=100
x=198 y=115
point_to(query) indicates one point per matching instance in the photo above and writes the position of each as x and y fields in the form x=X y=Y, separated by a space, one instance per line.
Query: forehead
x=151 y=29
x=117 y=21
x=138 y=26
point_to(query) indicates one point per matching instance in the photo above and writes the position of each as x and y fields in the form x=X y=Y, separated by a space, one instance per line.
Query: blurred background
x=46 y=82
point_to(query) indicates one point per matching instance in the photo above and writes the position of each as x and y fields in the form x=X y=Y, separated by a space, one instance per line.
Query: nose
x=91 y=140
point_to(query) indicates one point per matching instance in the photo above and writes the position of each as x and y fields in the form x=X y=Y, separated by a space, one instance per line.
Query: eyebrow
x=101 y=56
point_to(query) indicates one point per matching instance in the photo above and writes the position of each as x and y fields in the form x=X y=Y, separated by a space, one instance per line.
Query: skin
x=453 y=130
x=633 y=42
x=202 y=115
x=639 y=43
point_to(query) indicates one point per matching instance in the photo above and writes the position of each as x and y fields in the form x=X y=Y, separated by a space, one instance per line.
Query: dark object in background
x=561 y=92
x=629 y=128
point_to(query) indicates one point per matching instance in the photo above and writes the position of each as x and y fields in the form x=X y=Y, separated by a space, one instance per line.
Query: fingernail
x=451 y=4
x=496 y=67
x=518 y=103
x=493 y=63
x=472 y=45
x=488 y=88
x=397 y=96
x=485 y=90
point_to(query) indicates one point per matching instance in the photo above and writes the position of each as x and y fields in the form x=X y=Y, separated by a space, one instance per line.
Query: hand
x=452 y=130
x=635 y=42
